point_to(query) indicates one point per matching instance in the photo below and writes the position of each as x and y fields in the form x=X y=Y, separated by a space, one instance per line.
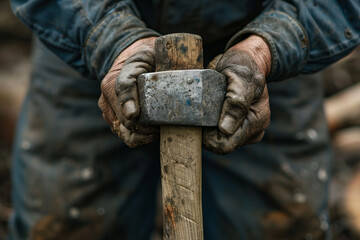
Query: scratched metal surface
x=185 y=97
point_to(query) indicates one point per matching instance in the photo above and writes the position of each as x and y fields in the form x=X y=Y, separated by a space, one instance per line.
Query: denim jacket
x=304 y=36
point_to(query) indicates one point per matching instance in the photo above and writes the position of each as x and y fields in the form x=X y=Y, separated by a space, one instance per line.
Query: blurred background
x=342 y=91
x=15 y=41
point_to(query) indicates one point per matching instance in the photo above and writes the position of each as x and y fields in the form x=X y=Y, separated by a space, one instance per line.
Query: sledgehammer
x=181 y=101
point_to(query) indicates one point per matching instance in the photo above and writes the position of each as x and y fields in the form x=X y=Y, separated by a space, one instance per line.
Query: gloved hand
x=119 y=101
x=245 y=112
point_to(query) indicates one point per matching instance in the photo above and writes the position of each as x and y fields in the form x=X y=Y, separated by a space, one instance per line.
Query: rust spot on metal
x=154 y=78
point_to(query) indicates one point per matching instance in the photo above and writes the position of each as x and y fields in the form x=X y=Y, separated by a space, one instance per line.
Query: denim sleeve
x=305 y=36
x=88 y=35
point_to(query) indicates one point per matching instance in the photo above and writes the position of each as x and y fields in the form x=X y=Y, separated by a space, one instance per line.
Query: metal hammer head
x=181 y=97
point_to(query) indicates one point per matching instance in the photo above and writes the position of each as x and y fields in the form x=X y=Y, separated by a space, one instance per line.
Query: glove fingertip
x=130 y=110
x=227 y=125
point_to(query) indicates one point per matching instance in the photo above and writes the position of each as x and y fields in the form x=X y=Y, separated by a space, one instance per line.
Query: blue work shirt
x=304 y=36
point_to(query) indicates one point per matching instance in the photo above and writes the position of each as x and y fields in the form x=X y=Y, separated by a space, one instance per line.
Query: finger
x=259 y=113
x=209 y=140
x=262 y=105
x=108 y=93
x=216 y=142
x=219 y=143
x=107 y=112
x=101 y=103
x=108 y=104
x=106 y=119
x=255 y=139
x=146 y=129
x=110 y=117
x=126 y=82
x=245 y=85
x=246 y=134
x=258 y=119
x=134 y=139
x=114 y=125
x=236 y=104
x=116 y=128
x=106 y=109
x=138 y=127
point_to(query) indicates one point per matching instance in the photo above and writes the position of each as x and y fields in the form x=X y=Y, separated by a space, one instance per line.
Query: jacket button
x=348 y=33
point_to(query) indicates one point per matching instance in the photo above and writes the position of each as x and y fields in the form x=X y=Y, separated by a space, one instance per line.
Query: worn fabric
x=74 y=179
x=304 y=36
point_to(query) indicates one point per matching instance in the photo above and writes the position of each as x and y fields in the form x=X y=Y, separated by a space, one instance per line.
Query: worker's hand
x=245 y=112
x=119 y=98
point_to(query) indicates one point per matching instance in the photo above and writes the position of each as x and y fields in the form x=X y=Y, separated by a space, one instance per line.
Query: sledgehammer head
x=181 y=97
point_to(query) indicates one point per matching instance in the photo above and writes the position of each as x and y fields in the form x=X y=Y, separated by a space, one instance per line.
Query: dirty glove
x=119 y=98
x=245 y=112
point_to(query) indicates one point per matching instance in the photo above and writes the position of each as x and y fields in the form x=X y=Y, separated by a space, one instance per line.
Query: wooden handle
x=180 y=147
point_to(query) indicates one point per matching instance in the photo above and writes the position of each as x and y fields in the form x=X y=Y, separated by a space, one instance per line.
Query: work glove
x=245 y=112
x=119 y=100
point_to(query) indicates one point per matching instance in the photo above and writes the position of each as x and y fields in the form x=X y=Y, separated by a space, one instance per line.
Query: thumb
x=126 y=82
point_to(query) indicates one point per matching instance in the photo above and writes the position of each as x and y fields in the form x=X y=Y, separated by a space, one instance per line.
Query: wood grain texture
x=180 y=148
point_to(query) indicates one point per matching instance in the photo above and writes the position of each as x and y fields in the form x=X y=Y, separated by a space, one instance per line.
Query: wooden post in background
x=180 y=147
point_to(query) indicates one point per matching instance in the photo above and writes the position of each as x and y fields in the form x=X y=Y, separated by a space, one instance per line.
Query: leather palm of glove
x=119 y=98
x=245 y=113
